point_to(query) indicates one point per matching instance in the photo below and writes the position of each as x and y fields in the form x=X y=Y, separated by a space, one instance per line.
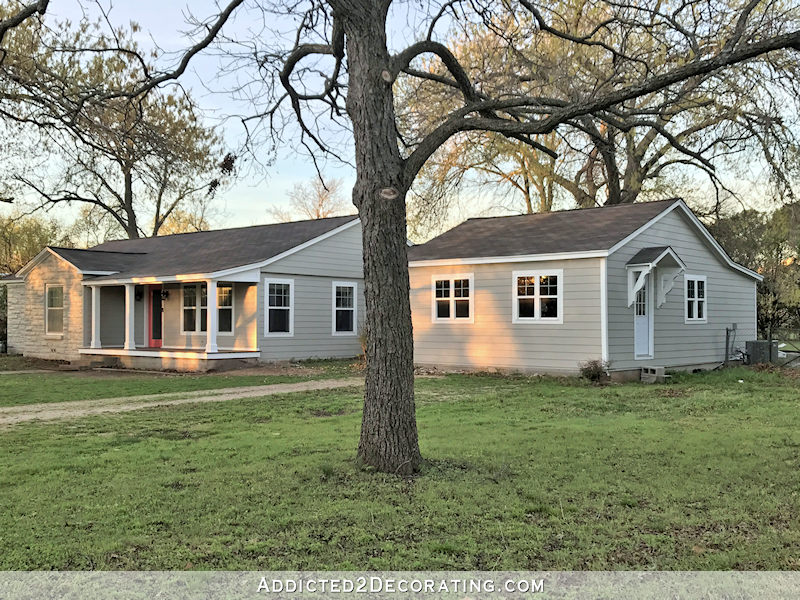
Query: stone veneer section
x=26 y=312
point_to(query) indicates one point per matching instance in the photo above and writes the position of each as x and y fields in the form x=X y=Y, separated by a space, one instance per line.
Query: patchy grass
x=17 y=362
x=57 y=386
x=521 y=473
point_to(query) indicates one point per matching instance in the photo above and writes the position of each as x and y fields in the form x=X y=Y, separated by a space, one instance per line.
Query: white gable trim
x=39 y=258
x=246 y=273
x=680 y=204
x=654 y=263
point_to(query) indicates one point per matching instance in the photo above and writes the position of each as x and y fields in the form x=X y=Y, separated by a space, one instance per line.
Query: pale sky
x=247 y=202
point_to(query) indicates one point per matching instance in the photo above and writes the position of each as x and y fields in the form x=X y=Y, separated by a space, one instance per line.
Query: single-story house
x=637 y=285
x=195 y=301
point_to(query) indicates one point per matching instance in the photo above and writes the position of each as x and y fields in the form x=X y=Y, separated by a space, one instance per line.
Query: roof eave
x=222 y=273
x=516 y=258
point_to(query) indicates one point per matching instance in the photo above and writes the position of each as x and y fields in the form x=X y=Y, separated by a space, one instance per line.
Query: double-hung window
x=695 y=292
x=279 y=307
x=225 y=308
x=190 y=308
x=538 y=296
x=195 y=308
x=453 y=298
x=54 y=319
x=344 y=308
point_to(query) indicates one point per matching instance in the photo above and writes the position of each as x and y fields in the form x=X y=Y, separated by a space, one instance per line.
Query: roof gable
x=568 y=231
x=215 y=251
x=579 y=233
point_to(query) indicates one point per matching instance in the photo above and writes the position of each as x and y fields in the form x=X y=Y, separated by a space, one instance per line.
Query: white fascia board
x=247 y=273
x=38 y=259
x=659 y=259
x=485 y=260
x=680 y=204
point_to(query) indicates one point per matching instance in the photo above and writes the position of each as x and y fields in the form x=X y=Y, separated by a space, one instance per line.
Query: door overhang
x=663 y=262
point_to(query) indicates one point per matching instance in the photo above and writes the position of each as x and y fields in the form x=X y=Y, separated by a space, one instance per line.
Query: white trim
x=650 y=322
x=516 y=319
x=197 y=285
x=451 y=277
x=130 y=313
x=95 y=338
x=44 y=253
x=695 y=278
x=228 y=274
x=654 y=263
x=604 y=309
x=232 y=332
x=699 y=226
x=48 y=308
x=447 y=262
x=201 y=354
x=351 y=284
x=278 y=334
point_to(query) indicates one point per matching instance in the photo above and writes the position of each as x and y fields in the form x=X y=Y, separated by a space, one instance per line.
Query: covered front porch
x=182 y=325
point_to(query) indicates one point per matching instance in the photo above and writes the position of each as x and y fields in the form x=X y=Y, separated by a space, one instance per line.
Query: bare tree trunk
x=389 y=429
x=131 y=226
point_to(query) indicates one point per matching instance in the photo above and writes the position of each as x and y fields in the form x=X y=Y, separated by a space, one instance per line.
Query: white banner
x=402 y=585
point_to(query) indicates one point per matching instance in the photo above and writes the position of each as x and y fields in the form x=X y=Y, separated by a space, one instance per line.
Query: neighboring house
x=195 y=301
x=638 y=285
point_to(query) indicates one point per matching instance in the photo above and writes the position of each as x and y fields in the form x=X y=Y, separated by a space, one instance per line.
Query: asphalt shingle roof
x=200 y=252
x=580 y=230
x=647 y=255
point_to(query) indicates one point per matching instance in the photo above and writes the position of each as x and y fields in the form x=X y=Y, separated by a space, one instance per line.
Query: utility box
x=758 y=351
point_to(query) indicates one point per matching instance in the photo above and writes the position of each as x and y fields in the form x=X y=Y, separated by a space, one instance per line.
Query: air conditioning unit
x=758 y=351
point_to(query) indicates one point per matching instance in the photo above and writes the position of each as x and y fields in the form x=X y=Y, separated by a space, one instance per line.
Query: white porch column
x=95 y=316
x=130 y=340
x=211 y=318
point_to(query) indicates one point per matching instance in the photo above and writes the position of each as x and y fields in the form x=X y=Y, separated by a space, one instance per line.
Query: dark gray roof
x=99 y=260
x=200 y=252
x=580 y=230
x=9 y=277
x=647 y=255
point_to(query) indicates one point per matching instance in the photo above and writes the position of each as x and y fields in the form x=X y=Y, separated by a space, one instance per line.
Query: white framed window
x=54 y=309
x=537 y=296
x=225 y=315
x=453 y=298
x=279 y=307
x=194 y=307
x=695 y=298
x=344 y=307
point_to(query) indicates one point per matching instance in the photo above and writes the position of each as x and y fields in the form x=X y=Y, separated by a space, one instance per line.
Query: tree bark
x=389 y=430
x=131 y=226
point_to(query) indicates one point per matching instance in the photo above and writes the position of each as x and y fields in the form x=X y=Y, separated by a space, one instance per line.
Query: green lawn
x=521 y=473
x=68 y=386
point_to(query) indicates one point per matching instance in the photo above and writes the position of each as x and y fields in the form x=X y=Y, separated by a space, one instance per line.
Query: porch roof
x=203 y=252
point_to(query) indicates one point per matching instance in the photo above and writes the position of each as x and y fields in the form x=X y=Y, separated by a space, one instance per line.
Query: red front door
x=156 y=317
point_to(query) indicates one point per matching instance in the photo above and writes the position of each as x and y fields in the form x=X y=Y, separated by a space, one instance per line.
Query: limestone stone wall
x=26 y=312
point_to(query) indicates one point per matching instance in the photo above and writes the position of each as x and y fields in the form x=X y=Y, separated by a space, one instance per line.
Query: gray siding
x=493 y=340
x=336 y=256
x=112 y=316
x=244 y=328
x=731 y=299
x=313 y=318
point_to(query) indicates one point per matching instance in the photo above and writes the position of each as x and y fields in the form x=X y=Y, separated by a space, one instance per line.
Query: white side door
x=641 y=321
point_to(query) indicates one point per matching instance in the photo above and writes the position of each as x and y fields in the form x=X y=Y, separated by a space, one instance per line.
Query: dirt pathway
x=55 y=411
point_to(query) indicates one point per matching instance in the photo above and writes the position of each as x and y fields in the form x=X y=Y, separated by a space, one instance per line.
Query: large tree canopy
x=137 y=162
x=332 y=81
x=708 y=121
